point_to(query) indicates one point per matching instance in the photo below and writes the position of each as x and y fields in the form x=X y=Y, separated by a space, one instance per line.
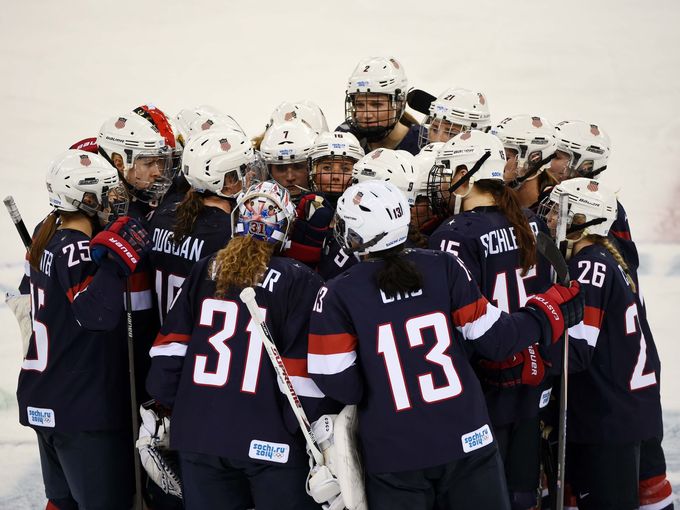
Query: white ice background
x=66 y=66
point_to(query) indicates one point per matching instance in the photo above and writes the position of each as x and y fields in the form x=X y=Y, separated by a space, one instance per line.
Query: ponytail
x=606 y=243
x=187 y=212
x=242 y=263
x=398 y=275
x=41 y=239
x=506 y=200
x=416 y=237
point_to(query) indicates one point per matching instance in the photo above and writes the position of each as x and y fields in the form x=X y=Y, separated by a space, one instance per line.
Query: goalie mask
x=474 y=155
x=455 y=110
x=264 y=212
x=396 y=167
x=375 y=98
x=371 y=216
x=81 y=181
x=586 y=148
x=591 y=209
x=222 y=162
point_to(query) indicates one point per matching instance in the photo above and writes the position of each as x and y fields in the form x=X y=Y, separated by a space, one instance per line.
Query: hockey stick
x=248 y=297
x=554 y=254
x=139 y=500
x=18 y=221
x=420 y=100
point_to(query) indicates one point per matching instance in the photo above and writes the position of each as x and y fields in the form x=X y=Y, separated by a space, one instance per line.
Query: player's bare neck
x=78 y=222
x=579 y=245
x=392 y=140
x=219 y=203
x=476 y=199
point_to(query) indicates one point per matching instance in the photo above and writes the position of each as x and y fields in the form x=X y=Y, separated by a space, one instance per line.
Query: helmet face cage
x=374 y=114
x=264 y=212
x=115 y=203
x=439 y=183
x=331 y=175
x=149 y=175
x=435 y=129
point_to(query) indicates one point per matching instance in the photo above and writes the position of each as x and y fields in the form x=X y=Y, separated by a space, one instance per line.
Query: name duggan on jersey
x=190 y=248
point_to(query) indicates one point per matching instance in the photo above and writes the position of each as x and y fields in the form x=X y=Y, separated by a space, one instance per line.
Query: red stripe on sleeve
x=139 y=281
x=621 y=235
x=73 y=291
x=593 y=316
x=470 y=313
x=332 y=344
x=296 y=367
x=170 y=338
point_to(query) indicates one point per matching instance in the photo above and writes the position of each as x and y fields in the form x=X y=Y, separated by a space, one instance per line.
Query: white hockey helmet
x=533 y=138
x=372 y=216
x=423 y=162
x=455 y=110
x=203 y=117
x=305 y=111
x=288 y=142
x=221 y=162
x=336 y=144
x=396 y=167
x=144 y=133
x=592 y=207
x=82 y=181
x=483 y=156
x=376 y=75
x=331 y=160
x=587 y=145
x=264 y=212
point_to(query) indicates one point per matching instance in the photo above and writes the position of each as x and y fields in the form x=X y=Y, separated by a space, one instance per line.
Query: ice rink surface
x=67 y=66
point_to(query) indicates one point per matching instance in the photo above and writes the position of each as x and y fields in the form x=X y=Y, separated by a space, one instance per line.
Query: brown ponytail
x=507 y=202
x=186 y=214
x=398 y=275
x=416 y=237
x=242 y=263
x=609 y=246
x=41 y=238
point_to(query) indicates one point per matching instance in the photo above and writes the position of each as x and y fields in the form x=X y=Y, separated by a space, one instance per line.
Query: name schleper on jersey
x=502 y=239
x=189 y=249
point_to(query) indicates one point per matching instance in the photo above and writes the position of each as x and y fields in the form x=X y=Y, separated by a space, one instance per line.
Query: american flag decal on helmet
x=394 y=63
x=465 y=135
x=290 y=116
x=225 y=145
x=594 y=130
x=593 y=186
x=357 y=198
x=482 y=99
x=376 y=154
x=206 y=125
x=536 y=122
x=85 y=160
x=120 y=123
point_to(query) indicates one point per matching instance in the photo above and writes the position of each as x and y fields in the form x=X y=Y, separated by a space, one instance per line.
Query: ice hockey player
x=530 y=146
x=495 y=238
x=454 y=111
x=73 y=386
x=375 y=103
x=237 y=439
x=423 y=423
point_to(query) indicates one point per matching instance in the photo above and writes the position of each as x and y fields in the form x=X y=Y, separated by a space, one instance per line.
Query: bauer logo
x=545 y=398
x=40 y=417
x=476 y=439
x=273 y=452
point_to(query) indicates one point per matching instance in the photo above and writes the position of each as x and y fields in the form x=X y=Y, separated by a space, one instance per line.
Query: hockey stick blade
x=420 y=100
x=13 y=211
x=547 y=247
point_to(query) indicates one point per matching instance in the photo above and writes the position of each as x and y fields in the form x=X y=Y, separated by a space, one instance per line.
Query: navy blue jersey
x=614 y=396
x=334 y=260
x=402 y=359
x=620 y=231
x=485 y=241
x=409 y=143
x=171 y=263
x=74 y=376
x=210 y=366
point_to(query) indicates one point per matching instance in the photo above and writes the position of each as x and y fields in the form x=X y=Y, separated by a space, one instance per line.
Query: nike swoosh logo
x=581 y=496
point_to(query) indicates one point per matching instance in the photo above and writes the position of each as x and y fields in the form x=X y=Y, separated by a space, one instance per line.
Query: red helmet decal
x=376 y=154
x=594 y=130
x=290 y=116
x=593 y=186
x=394 y=63
x=120 y=123
x=465 y=135
x=357 y=198
x=536 y=122
x=482 y=99
x=158 y=119
x=207 y=125
x=225 y=145
x=85 y=160
x=86 y=144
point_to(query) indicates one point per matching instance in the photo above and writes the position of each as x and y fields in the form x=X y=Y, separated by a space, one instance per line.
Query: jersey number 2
x=639 y=379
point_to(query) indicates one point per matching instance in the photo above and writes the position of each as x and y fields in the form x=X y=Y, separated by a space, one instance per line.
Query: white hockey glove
x=336 y=436
x=20 y=304
x=158 y=461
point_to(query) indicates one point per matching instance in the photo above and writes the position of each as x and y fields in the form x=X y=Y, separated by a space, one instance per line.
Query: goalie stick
x=18 y=221
x=248 y=297
x=552 y=251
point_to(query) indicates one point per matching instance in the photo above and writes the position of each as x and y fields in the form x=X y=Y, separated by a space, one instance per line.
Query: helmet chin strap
x=458 y=199
x=581 y=227
x=531 y=173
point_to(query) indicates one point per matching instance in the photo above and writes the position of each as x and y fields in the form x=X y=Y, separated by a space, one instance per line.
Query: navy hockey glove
x=560 y=308
x=526 y=367
x=313 y=217
x=125 y=241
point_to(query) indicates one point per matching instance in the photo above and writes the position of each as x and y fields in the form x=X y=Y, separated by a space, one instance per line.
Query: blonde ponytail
x=606 y=243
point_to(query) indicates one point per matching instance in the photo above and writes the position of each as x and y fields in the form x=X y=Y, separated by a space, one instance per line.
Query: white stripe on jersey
x=141 y=300
x=478 y=328
x=329 y=364
x=659 y=505
x=303 y=386
x=584 y=332
x=171 y=349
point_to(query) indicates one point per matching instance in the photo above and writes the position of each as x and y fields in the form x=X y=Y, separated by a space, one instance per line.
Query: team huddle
x=362 y=318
